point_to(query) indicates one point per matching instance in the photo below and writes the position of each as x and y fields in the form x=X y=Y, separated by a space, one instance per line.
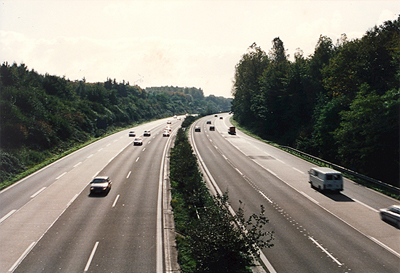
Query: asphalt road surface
x=50 y=223
x=314 y=231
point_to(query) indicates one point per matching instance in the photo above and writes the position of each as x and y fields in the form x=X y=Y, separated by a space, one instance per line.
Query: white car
x=166 y=133
x=391 y=214
x=132 y=134
x=147 y=133
x=138 y=142
x=100 y=185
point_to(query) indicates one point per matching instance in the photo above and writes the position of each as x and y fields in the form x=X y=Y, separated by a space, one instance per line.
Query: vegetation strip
x=208 y=238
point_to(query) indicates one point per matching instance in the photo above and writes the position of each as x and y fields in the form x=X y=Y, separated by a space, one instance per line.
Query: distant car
x=138 y=142
x=100 y=185
x=391 y=214
x=208 y=121
x=166 y=133
x=169 y=122
x=212 y=128
x=132 y=134
x=197 y=129
x=147 y=133
x=220 y=117
x=215 y=115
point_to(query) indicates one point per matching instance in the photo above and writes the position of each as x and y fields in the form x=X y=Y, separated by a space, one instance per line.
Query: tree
x=368 y=136
x=246 y=84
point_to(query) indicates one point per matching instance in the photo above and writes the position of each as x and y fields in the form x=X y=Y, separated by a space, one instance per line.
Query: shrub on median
x=209 y=238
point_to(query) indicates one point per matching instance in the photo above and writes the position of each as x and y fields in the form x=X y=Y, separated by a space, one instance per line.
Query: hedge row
x=208 y=237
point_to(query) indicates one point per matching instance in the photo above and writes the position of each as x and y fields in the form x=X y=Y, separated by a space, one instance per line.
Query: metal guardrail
x=362 y=178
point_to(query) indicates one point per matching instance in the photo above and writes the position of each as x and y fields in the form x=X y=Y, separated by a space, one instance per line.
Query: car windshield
x=98 y=180
x=395 y=210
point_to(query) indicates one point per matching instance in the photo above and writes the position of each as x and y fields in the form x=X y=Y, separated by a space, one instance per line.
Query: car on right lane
x=391 y=214
x=138 y=141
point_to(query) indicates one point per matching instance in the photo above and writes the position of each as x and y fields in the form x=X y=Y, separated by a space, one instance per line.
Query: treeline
x=340 y=103
x=208 y=239
x=42 y=115
x=206 y=105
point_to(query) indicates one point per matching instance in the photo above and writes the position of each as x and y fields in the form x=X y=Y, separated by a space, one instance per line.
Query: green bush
x=209 y=238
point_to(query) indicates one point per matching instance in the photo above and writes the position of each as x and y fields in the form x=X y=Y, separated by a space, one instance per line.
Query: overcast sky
x=179 y=43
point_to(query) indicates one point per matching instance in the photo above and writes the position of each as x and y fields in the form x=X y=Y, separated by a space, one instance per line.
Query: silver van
x=323 y=178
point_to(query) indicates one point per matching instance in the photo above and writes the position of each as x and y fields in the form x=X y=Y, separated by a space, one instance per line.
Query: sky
x=181 y=43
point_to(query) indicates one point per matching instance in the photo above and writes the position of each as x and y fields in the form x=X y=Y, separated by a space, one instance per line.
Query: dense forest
x=341 y=103
x=43 y=115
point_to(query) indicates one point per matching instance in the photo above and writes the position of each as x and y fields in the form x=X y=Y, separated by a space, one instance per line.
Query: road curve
x=59 y=227
x=314 y=232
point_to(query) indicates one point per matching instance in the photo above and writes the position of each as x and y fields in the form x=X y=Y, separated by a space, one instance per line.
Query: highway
x=50 y=223
x=314 y=231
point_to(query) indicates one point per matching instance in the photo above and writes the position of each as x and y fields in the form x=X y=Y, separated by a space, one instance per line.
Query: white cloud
x=179 y=43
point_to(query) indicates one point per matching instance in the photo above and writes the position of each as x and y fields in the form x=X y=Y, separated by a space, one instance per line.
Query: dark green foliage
x=209 y=238
x=340 y=104
x=46 y=114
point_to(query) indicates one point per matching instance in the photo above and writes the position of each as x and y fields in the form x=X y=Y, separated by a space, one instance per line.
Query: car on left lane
x=100 y=185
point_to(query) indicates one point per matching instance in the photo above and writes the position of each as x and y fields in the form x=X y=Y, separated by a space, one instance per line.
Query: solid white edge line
x=7 y=215
x=115 y=202
x=308 y=197
x=365 y=205
x=37 y=193
x=324 y=250
x=12 y=268
x=274 y=174
x=385 y=246
x=91 y=257
x=298 y=170
x=159 y=227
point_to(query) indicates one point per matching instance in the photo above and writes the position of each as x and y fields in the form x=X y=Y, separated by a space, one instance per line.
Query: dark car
x=208 y=121
x=138 y=142
x=146 y=133
x=100 y=185
x=212 y=128
x=197 y=129
x=391 y=214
